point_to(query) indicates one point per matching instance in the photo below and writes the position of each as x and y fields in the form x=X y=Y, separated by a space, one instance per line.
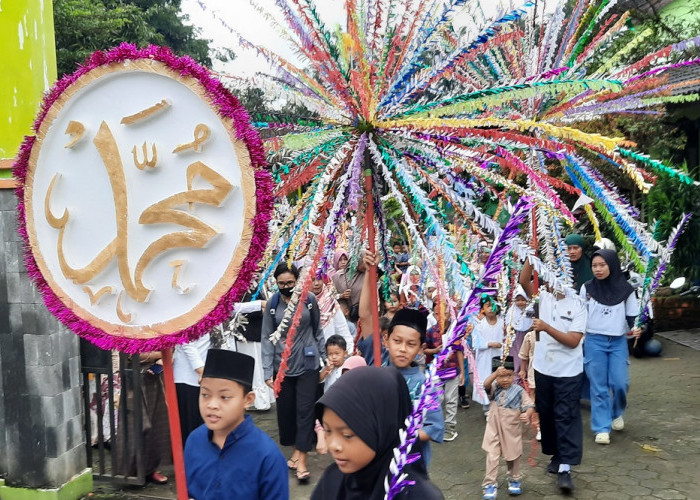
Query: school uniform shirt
x=433 y=423
x=249 y=466
x=609 y=320
x=551 y=356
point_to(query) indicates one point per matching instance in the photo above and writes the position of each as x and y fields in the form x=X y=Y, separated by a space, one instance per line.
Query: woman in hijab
x=362 y=414
x=612 y=307
x=580 y=262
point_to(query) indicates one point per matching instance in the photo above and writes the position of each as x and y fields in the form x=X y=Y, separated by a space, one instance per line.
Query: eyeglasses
x=286 y=284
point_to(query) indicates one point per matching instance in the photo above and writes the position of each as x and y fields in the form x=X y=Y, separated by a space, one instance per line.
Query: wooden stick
x=174 y=420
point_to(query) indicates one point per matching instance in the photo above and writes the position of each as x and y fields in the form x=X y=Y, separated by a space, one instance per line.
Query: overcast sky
x=241 y=16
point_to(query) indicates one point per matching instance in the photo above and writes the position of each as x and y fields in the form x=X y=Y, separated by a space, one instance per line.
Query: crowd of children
x=529 y=358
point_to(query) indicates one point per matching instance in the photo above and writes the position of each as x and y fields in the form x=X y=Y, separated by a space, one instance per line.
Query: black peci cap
x=229 y=365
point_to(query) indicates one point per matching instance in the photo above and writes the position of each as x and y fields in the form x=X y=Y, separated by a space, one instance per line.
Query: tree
x=83 y=26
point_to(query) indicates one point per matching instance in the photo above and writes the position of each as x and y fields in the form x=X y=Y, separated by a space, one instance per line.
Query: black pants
x=295 y=410
x=188 y=408
x=558 y=404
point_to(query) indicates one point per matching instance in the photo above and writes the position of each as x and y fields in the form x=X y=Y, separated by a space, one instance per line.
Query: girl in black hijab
x=361 y=415
x=612 y=308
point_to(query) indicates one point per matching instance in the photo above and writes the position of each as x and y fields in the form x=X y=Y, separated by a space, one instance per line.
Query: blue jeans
x=606 y=361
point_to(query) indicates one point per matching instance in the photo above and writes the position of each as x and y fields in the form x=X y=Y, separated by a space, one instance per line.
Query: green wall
x=28 y=62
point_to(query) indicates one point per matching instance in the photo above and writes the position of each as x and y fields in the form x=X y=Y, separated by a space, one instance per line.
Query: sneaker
x=490 y=492
x=450 y=436
x=553 y=467
x=565 y=483
x=538 y=436
x=514 y=487
x=464 y=402
x=602 y=438
x=618 y=424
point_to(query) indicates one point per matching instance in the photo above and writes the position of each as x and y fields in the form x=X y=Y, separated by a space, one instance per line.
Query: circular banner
x=143 y=200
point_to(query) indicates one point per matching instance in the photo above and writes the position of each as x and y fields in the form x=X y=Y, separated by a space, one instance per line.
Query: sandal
x=158 y=478
x=303 y=476
x=292 y=464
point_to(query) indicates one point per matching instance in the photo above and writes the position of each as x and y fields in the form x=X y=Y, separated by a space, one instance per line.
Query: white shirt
x=187 y=358
x=332 y=378
x=609 y=320
x=517 y=319
x=551 y=356
x=338 y=325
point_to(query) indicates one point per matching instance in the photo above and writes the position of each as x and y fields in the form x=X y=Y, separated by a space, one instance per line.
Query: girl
x=487 y=340
x=612 y=307
x=295 y=402
x=362 y=437
x=503 y=435
x=518 y=320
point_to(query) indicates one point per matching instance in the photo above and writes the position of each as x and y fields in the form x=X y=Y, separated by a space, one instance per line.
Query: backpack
x=310 y=303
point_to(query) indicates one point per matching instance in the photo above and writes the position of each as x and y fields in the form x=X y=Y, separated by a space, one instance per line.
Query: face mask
x=287 y=292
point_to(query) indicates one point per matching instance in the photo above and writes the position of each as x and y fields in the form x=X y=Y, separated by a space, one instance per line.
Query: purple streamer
x=430 y=395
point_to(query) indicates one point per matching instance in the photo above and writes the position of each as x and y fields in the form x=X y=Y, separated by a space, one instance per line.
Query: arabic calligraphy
x=146 y=161
x=201 y=135
x=197 y=233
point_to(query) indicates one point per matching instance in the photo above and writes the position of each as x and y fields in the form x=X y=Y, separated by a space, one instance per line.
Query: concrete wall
x=41 y=416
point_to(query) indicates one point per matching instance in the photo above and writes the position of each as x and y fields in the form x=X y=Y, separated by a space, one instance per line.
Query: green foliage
x=83 y=26
x=666 y=202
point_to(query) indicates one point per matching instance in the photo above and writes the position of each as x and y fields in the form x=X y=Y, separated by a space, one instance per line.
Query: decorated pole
x=372 y=271
x=174 y=421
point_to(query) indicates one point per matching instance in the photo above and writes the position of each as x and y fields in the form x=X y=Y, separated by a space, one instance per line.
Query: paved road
x=656 y=456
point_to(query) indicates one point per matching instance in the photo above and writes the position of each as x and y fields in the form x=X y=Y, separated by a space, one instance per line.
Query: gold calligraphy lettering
x=201 y=135
x=76 y=131
x=146 y=162
x=143 y=114
x=178 y=264
x=163 y=212
x=95 y=297
x=124 y=317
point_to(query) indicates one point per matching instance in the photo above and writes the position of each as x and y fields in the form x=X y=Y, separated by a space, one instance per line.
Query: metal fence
x=113 y=418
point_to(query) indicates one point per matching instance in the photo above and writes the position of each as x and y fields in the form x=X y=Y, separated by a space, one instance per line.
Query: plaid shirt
x=433 y=340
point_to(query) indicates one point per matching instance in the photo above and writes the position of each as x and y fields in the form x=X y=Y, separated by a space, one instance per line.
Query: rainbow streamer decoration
x=457 y=125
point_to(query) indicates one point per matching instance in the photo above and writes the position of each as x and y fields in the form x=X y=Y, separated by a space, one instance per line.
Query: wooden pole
x=174 y=420
x=535 y=278
x=372 y=271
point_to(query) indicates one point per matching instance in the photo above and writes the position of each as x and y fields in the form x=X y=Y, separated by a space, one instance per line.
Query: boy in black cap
x=228 y=457
x=404 y=341
x=503 y=435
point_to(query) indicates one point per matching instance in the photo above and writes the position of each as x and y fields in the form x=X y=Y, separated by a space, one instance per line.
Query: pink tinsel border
x=228 y=106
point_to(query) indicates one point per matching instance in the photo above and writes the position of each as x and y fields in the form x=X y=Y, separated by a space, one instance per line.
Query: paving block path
x=656 y=456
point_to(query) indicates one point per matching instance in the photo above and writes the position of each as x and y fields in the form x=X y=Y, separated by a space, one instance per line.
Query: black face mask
x=287 y=292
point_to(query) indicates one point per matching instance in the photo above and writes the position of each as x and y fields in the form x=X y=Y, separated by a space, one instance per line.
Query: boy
x=404 y=341
x=400 y=257
x=228 y=457
x=336 y=350
x=510 y=404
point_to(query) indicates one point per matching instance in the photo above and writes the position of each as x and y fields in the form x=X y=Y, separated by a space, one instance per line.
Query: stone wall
x=41 y=416
x=676 y=313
